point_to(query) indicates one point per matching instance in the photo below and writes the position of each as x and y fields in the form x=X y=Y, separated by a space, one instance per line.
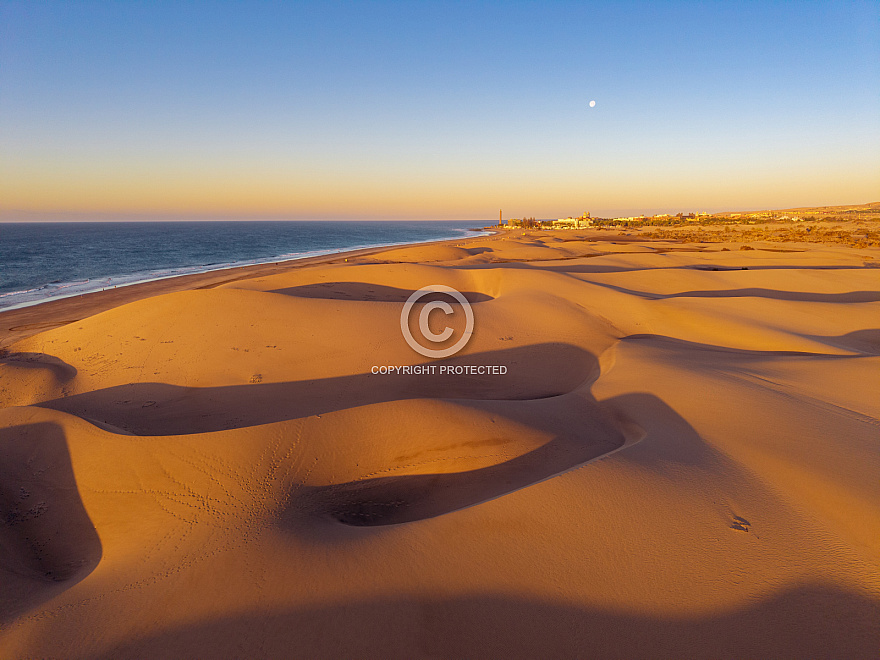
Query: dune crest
x=680 y=458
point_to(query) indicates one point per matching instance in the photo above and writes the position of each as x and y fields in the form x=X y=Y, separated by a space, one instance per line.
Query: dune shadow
x=163 y=409
x=581 y=430
x=811 y=621
x=698 y=248
x=365 y=291
x=688 y=349
x=773 y=294
x=795 y=296
x=862 y=341
x=47 y=540
x=669 y=439
x=62 y=371
x=589 y=269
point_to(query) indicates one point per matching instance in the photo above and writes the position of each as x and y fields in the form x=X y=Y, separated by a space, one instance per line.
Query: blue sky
x=435 y=110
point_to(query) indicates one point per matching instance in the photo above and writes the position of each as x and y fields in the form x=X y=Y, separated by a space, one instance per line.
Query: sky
x=422 y=110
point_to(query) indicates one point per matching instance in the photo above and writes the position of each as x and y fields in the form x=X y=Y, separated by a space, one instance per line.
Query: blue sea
x=44 y=261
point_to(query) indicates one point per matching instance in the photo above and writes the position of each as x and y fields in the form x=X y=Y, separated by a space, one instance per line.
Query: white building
x=574 y=223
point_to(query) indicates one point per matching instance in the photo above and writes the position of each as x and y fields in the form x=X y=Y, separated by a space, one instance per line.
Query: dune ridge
x=680 y=460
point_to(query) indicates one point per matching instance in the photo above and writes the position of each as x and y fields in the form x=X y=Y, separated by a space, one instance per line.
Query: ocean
x=44 y=261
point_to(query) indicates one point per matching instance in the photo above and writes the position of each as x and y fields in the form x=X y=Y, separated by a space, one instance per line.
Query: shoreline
x=710 y=401
x=19 y=322
x=141 y=277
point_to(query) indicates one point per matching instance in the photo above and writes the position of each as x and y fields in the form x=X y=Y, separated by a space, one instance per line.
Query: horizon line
x=10 y=216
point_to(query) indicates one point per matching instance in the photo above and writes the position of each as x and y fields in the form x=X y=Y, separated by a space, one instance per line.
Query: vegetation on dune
x=858 y=235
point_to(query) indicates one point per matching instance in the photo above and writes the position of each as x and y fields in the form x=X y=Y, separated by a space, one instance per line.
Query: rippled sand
x=681 y=459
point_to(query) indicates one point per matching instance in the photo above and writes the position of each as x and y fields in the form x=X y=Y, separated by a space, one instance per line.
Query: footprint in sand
x=740 y=524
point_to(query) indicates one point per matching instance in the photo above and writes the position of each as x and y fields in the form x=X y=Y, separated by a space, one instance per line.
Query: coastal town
x=864 y=212
x=439 y=330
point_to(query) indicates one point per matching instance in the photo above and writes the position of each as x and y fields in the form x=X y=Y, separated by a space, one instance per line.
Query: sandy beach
x=680 y=457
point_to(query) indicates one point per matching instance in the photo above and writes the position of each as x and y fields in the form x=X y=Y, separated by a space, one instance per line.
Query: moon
x=592 y=104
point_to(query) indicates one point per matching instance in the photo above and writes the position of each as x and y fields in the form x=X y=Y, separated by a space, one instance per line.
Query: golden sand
x=681 y=459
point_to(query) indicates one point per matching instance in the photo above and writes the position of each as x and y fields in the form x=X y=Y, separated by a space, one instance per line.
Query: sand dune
x=681 y=459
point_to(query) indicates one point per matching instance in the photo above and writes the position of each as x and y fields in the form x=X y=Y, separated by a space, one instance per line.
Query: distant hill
x=872 y=207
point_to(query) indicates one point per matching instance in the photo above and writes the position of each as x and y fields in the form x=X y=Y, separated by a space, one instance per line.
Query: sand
x=681 y=459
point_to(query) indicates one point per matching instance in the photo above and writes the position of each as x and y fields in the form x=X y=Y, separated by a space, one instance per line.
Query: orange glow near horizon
x=145 y=191
x=248 y=111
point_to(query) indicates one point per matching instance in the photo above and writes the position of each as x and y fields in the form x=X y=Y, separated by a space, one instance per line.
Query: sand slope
x=681 y=461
